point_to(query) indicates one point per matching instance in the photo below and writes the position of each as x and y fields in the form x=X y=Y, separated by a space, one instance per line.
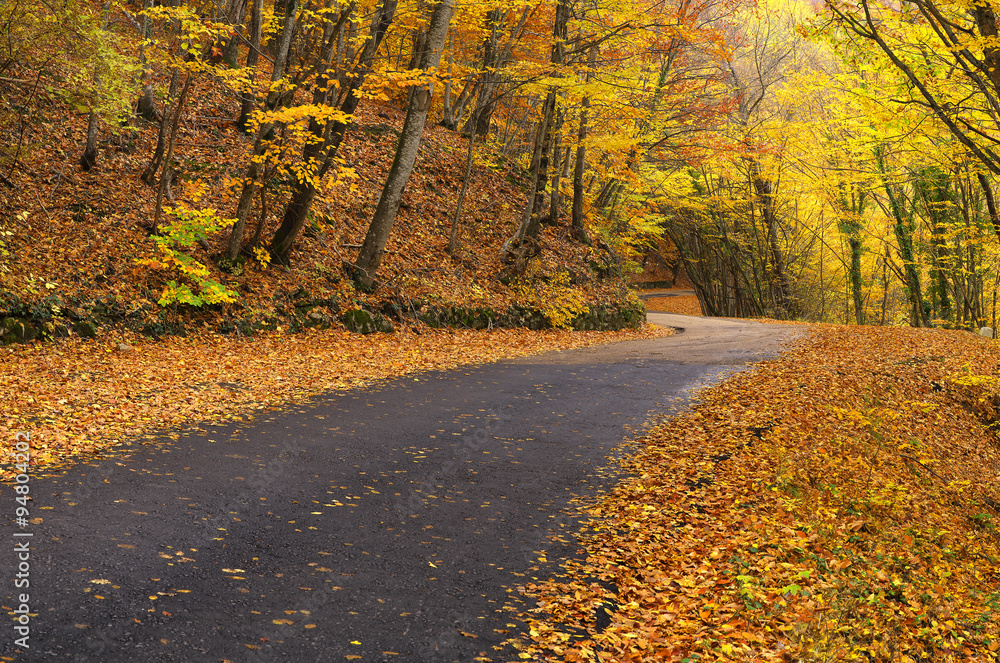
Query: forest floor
x=684 y=302
x=839 y=503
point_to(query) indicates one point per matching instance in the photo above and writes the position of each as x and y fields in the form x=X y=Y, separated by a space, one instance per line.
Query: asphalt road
x=379 y=525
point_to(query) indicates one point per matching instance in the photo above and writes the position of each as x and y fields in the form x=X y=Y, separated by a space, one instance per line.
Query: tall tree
x=524 y=244
x=264 y=134
x=328 y=135
x=370 y=255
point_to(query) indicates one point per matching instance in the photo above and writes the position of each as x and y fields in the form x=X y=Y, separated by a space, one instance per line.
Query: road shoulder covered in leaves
x=840 y=503
x=77 y=397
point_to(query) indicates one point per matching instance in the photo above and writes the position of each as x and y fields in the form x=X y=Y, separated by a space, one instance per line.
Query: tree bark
x=89 y=158
x=149 y=175
x=780 y=287
x=518 y=249
x=370 y=256
x=579 y=228
x=330 y=137
x=991 y=205
x=447 y=112
x=235 y=13
x=453 y=244
x=555 y=199
x=904 y=237
x=248 y=98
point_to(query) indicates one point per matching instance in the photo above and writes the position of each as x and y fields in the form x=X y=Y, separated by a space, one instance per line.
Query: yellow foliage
x=555 y=297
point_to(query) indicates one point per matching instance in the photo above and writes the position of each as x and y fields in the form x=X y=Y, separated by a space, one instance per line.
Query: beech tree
x=319 y=152
x=370 y=255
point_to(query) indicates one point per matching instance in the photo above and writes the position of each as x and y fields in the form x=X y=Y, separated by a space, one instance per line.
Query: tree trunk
x=518 y=249
x=235 y=242
x=856 y=285
x=149 y=175
x=483 y=113
x=329 y=140
x=235 y=13
x=780 y=288
x=248 y=98
x=281 y=58
x=493 y=60
x=533 y=220
x=991 y=205
x=453 y=243
x=557 y=168
x=579 y=228
x=89 y=158
x=165 y=178
x=370 y=256
x=448 y=116
x=902 y=228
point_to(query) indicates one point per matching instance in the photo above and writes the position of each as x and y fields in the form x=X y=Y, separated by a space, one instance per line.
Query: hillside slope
x=71 y=239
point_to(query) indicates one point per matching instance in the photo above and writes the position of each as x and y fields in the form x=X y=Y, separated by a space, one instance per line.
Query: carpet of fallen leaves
x=685 y=304
x=77 y=398
x=837 y=504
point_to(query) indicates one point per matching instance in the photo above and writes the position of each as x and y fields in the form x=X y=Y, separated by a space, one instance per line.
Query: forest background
x=248 y=164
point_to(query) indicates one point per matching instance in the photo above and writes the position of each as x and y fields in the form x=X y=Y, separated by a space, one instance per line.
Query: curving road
x=379 y=525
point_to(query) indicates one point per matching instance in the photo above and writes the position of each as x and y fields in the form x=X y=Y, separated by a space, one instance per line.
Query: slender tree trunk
x=89 y=158
x=284 y=47
x=991 y=205
x=557 y=168
x=493 y=60
x=580 y=165
x=165 y=178
x=856 y=284
x=149 y=175
x=536 y=202
x=235 y=243
x=370 y=255
x=248 y=98
x=448 y=119
x=780 y=287
x=523 y=245
x=902 y=228
x=483 y=113
x=235 y=13
x=453 y=243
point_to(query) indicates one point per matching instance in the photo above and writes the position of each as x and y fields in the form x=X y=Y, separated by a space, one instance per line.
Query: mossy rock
x=85 y=329
x=317 y=320
x=361 y=321
x=17 y=330
x=603 y=317
x=267 y=324
x=233 y=267
x=53 y=329
x=163 y=328
x=523 y=316
x=460 y=317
